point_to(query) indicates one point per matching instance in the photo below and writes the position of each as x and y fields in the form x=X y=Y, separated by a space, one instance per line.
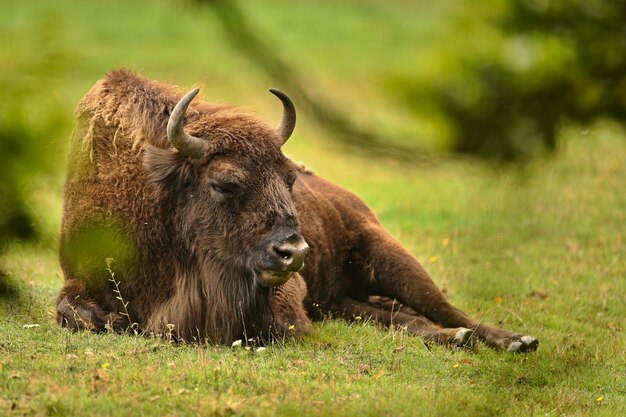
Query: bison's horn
x=186 y=144
x=288 y=121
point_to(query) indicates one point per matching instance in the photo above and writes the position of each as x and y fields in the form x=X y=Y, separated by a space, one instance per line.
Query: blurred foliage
x=30 y=118
x=517 y=68
x=497 y=82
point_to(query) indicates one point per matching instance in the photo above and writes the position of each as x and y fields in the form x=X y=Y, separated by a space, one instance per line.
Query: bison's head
x=229 y=188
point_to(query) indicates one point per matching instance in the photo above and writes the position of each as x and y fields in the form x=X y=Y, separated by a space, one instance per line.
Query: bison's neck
x=218 y=304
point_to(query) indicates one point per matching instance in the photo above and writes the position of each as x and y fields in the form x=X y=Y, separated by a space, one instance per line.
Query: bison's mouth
x=273 y=278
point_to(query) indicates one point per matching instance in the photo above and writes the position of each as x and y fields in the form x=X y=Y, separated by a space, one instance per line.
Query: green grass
x=540 y=252
x=539 y=249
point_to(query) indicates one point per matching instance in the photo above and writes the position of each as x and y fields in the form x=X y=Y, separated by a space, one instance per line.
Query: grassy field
x=539 y=249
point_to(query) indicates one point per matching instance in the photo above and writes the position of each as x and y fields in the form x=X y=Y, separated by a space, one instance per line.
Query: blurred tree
x=507 y=89
x=29 y=119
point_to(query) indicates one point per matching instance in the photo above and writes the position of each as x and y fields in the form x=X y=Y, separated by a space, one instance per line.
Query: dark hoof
x=524 y=345
x=463 y=337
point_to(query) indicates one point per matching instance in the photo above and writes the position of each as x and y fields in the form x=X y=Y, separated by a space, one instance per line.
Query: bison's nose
x=291 y=253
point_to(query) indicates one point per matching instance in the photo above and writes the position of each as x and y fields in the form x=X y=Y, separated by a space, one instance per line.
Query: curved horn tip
x=282 y=96
x=184 y=102
x=190 y=96
x=288 y=121
x=278 y=93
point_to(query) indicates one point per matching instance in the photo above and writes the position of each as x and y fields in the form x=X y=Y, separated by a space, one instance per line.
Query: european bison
x=188 y=220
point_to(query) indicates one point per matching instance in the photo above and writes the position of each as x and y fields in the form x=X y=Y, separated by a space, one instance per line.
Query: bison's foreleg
x=382 y=266
x=77 y=311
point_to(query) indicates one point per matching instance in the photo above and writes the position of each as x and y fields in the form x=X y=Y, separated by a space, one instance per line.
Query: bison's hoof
x=463 y=337
x=525 y=344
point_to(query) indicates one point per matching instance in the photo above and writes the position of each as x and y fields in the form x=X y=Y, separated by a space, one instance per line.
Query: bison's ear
x=168 y=167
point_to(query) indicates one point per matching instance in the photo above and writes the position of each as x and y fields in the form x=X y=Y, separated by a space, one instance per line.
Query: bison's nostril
x=290 y=254
x=283 y=252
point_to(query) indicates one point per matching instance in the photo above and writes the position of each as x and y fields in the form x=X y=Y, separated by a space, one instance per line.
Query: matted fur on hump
x=137 y=108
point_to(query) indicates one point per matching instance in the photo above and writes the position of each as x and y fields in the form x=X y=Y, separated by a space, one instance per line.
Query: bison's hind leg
x=388 y=312
x=380 y=265
x=494 y=337
x=524 y=344
x=77 y=311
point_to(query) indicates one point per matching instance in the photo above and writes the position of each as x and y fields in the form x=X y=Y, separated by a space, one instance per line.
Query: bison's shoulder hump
x=301 y=167
x=130 y=104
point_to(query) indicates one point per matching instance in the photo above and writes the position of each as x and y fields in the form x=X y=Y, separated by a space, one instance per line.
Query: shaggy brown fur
x=184 y=255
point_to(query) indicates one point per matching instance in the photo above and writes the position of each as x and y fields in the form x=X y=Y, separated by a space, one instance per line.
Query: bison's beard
x=215 y=303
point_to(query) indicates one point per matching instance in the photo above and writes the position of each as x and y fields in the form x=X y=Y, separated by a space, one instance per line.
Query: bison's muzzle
x=285 y=257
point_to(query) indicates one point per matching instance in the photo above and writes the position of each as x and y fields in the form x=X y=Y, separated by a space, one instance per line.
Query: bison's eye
x=224 y=188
